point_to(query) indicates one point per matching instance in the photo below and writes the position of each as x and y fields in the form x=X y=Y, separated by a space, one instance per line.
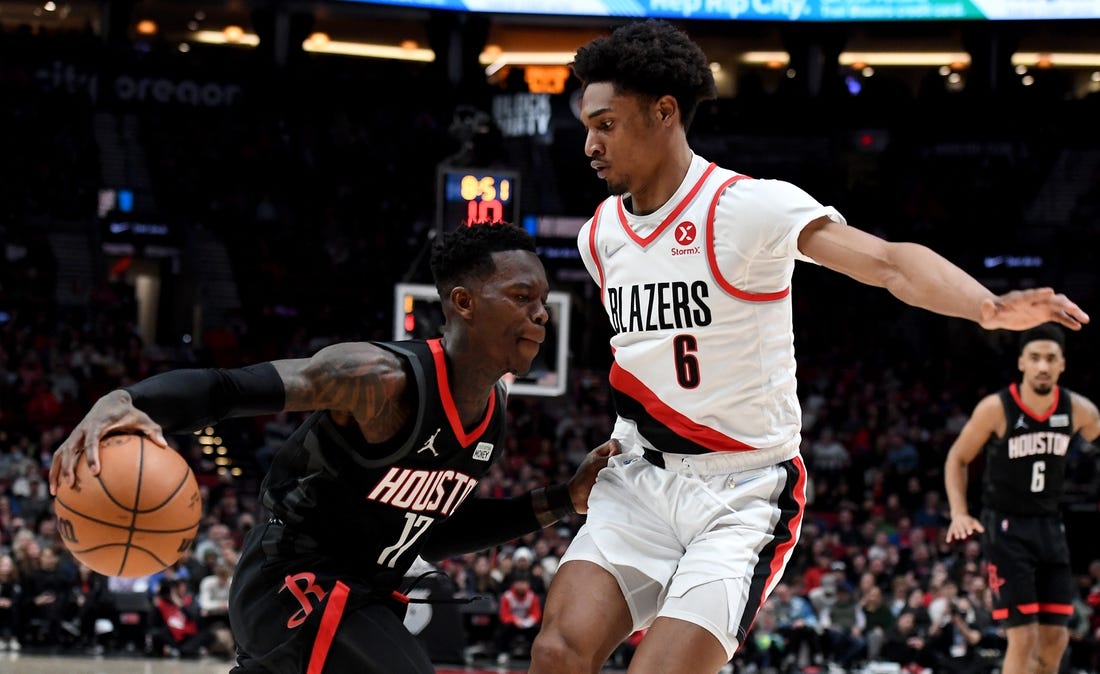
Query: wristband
x=552 y=504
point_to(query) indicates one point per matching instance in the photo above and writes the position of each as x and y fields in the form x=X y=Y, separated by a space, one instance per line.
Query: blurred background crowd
x=140 y=235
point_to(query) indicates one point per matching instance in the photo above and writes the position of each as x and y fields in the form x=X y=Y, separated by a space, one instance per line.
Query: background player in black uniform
x=402 y=433
x=1025 y=431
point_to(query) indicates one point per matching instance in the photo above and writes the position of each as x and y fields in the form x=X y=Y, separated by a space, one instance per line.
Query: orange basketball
x=138 y=516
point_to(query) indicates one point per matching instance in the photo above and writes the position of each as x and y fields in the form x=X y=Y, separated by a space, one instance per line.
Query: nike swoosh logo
x=608 y=251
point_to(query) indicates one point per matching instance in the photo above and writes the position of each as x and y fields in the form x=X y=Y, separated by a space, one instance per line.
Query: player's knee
x=1025 y=637
x=549 y=646
x=1045 y=663
x=1051 y=644
x=555 y=651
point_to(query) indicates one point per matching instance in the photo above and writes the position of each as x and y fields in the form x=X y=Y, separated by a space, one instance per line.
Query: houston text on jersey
x=438 y=491
x=1031 y=444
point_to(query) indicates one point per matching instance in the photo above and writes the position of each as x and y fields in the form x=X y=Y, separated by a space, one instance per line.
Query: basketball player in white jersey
x=690 y=529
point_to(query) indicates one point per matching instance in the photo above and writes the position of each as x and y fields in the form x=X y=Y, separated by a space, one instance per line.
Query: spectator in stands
x=175 y=571
x=905 y=643
x=953 y=641
x=480 y=580
x=814 y=574
x=11 y=604
x=847 y=532
x=900 y=588
x=828 y=457
x=179 y=633
x=91 y=601
x=844 y=623
x=879 y=620
x=32 y=496
x=824 y=595
x=546 y=559
x=947 y=591
x=796 y=622
x=765 y=647
x=523 y=561
x=49 y=592
x=520 y=616
x=201 y=564
x=214 y=597
x=134 y=609
x=932 y=515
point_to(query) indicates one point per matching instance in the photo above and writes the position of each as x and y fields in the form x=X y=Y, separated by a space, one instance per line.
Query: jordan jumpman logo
x=429 y=446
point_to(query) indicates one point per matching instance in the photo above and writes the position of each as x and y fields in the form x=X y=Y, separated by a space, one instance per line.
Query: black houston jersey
x=1025 y=469
x=375 y=504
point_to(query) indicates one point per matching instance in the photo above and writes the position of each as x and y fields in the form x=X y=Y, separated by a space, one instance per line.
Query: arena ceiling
x=396 y=27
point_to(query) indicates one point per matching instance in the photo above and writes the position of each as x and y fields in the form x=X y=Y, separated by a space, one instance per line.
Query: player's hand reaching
x=113 y=412
x=963 y=526
x=580 y=485
x=1023 y=309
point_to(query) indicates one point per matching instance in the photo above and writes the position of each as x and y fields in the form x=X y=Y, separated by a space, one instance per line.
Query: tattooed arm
x=356 y=381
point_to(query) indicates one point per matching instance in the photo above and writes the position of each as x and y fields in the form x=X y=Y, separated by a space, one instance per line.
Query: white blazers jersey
x=698 y=294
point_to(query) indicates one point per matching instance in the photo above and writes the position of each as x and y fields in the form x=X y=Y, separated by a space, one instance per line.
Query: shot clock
x=476 y=195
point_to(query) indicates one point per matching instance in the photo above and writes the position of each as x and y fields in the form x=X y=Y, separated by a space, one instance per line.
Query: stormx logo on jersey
x=685 y=233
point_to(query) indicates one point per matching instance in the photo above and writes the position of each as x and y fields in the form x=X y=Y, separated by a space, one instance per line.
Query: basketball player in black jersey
x=385 y=469
x=1025 y=431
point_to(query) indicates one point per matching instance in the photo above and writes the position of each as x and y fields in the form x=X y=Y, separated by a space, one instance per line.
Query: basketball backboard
x=418 y=314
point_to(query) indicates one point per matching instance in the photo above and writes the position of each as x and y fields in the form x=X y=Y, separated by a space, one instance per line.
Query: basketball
x=138 y=516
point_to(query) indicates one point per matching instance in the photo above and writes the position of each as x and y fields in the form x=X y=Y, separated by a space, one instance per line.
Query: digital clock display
x=476 y=195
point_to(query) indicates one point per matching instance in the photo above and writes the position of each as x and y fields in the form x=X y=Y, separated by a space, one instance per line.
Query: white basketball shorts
x=691 y=543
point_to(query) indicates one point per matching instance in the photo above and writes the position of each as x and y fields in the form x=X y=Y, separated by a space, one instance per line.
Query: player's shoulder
x=1082 y=404
x=377 y=359
x=766 y=196
x=990 y=407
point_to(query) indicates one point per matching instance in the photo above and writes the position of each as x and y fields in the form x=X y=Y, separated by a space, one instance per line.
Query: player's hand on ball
x=113 y=412
x=138 y=516
x=581 y=483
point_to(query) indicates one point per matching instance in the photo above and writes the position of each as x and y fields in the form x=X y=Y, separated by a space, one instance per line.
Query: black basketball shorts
x=1028 y=568
x=305 y=614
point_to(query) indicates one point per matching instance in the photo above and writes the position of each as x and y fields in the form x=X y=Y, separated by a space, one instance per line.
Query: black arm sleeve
x=185 y=400
x=481 y=523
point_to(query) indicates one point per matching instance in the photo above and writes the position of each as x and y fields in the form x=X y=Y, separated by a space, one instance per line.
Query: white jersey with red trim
x=698 y=293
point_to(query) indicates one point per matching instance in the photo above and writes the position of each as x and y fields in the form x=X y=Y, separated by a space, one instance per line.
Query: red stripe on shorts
x=334 y=609
x=1060 y=609
x=794 y=525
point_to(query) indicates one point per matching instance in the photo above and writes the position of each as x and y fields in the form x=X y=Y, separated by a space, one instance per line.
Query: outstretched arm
x=359 y=379
x=987 y=419
x=481 y=523
x=921 y=277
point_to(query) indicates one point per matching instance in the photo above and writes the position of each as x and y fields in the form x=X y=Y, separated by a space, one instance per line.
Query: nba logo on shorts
x=1004 y=525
